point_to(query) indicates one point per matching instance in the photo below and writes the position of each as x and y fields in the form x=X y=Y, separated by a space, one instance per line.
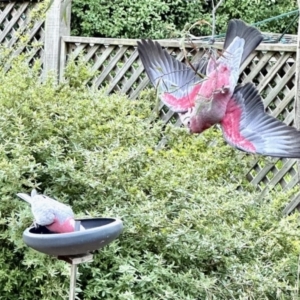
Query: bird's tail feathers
x=34 y=193
x=251 y=35
x=25 y=197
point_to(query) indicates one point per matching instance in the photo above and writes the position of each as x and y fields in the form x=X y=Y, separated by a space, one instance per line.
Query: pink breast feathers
x=67 y=226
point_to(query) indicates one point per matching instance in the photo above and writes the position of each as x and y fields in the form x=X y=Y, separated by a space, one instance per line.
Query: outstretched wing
x=247 y=127
x=177 y=84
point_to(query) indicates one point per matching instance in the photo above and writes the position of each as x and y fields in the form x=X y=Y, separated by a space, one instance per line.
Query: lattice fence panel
x=15 y=21
x=274 y=74
x=118 y=65
x=272 y=70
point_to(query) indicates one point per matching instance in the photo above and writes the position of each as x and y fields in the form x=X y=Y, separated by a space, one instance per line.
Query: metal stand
x=74 y=261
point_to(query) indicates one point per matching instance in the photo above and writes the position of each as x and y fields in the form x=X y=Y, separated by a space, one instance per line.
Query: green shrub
x=193 y=227
x=162 y=19
x=130 y=19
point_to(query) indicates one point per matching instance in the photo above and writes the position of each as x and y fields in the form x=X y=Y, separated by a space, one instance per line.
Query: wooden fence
x=271 y=68
x=19 y=32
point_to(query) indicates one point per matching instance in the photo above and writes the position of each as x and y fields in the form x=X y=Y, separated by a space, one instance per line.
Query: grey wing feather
x=237 y=28
x=165 y=72
x=34 y=193
x=241 y=39
x=41 y=207
x=269 y=135
x=43 y=214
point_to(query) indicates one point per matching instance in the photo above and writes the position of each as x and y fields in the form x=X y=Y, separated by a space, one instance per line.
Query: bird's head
x=197 y=124
x=194 y=123
x=195 y=119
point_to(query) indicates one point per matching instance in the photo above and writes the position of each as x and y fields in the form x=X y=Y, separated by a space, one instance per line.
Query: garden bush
x=193 y=227
x=163 y=19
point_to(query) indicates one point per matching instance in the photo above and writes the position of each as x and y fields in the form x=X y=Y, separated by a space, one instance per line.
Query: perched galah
x=216 y=99
x=54 y=215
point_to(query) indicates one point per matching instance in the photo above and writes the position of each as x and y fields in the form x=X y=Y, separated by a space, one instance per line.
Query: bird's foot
x=224 y=89
x=35 y=224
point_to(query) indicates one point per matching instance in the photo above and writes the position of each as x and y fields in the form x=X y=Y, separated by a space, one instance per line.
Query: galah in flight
x=216 y=99
x=55 y=216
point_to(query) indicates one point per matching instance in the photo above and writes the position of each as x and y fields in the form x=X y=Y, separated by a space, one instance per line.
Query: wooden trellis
x=273 y=72
x=38 y=37
x=16 y=22
x=116 y=60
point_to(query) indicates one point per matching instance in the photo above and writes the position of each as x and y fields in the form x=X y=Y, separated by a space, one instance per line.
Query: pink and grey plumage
x=54 y=215
x=179 y=85
x=216 y=99
x=247 y=127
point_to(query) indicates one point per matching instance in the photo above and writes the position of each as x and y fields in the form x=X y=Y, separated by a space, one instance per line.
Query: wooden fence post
x=296 y=200
x=297 y=89
x=57 y=24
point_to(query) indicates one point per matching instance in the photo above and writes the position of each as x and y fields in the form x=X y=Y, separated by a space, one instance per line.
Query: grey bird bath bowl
x=98 y=233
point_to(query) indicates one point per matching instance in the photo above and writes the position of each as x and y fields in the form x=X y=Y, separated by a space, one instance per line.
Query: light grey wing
x=240 y=41
x=232 y=58
x=42 y=210
x=43 y=216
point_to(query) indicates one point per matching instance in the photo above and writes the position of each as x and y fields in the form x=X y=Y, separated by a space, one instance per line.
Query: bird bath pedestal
x=75 y=260
x=75 y=247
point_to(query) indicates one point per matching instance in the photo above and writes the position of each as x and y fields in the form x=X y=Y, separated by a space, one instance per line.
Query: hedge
x=193 y=227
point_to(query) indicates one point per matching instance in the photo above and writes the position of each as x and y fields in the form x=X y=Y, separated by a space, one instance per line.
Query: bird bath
x=99 y=232
x=74 y=247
